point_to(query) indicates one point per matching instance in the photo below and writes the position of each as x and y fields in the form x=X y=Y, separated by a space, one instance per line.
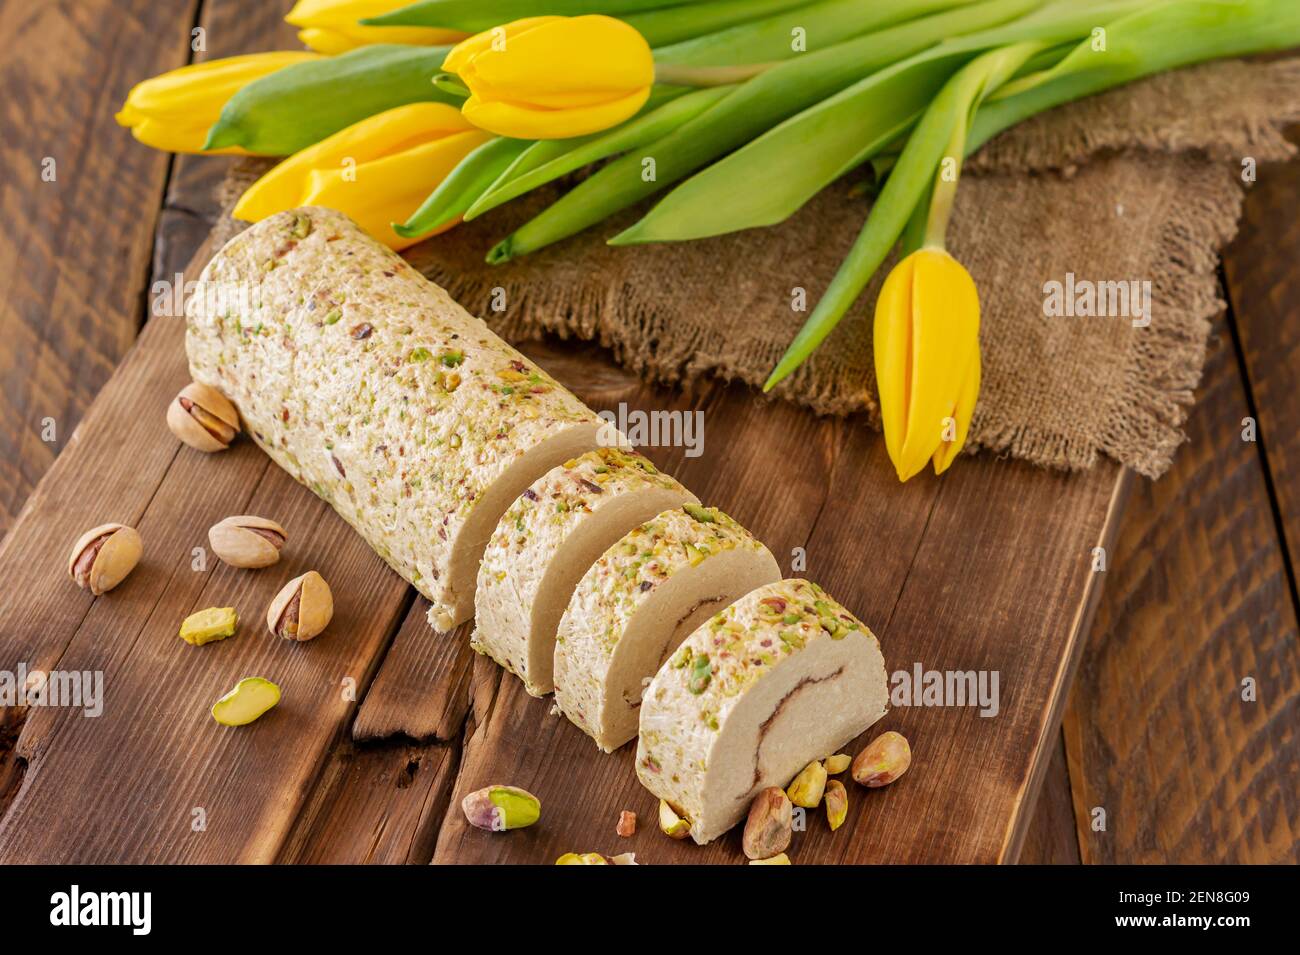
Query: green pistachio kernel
x=701 y=674
x=702 y=514
x=419 y=354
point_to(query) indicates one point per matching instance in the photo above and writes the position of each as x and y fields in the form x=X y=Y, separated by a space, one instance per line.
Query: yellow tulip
x=378 y=171
x=173 y=111
x=927 y=360
x=553 y=77
x=330 y=26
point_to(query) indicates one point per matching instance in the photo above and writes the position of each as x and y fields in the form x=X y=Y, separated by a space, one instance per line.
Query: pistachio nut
x=498 y=808
x=103 y=556
x=215 y=623
x=203 y=418
x=251 y=697
x=624 y=858
x=302 y=608
x=583 y=858
x=884 y=760
x=781 y=859
x=671 y=823
x=806 y=788
x=837 y=764
x=626 y=824
x=768 y=828
x=837 y=803
x=247 y=541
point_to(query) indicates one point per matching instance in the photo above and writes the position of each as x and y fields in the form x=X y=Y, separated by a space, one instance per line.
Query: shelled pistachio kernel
x=837 y=804
x=247 y=541
x=302 y=608
x=498 y=808
x=103 y=556
x=806 y=789
x=781 y=859
x=203 y=418
x=215 y=623
x=582 y=858
x=837 y=764
x=671 y=823
x=886 y=758
x=251 y=697
x=769 y=824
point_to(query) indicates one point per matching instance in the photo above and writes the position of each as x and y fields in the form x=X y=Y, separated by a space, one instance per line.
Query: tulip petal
x=945 y=331
x=516 y=122
x=892 y=334
x=468 y=49
x=962 y=414
x=570 y=61
x=385 y=134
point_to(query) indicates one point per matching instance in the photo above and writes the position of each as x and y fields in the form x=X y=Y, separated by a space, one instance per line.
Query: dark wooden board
x=1158 y=734
x=73 y=268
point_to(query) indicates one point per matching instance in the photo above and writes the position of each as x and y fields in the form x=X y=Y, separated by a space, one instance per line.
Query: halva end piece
x=782 y=677
x=547 y=540
x=638 y=602
x=370 y=385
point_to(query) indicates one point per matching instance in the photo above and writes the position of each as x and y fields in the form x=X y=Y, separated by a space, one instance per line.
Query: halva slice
x=547 y=540
x=638 y=602
x=782 y=677
x=367 y=383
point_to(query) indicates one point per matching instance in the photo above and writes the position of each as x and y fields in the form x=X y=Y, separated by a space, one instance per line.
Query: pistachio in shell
x=247 y=541
x=103 y=556
x=302 y=608
x=203 y=418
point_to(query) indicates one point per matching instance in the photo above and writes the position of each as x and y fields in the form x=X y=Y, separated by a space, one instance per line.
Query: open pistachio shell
x=103 y=556
x=302 y=608
x=247 y=541
x=203 y=418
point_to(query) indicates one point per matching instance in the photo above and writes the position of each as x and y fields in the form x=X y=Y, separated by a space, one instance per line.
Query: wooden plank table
x=986 y=569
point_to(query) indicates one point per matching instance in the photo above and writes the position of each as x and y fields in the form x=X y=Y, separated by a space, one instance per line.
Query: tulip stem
x=945 y=188
x=675 y=74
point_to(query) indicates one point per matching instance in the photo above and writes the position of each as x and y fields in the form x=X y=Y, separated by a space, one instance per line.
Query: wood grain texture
x=1051 y=837
x=378 y=803
x=73 y=267
x=1263 y=286
x=1197 y=601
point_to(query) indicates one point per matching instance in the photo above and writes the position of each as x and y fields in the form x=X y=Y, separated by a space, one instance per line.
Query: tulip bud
x=927 y=360
x=553 y=77
x=174 y=110
x=331 y=26
x=378 y=171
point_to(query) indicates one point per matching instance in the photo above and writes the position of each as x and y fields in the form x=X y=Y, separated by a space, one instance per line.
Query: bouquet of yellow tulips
x=412 y=117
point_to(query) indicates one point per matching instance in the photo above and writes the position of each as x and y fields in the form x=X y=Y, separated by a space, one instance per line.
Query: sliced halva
x=637 y=603
x=368 y=383
x=780 y=678
x=546 y=541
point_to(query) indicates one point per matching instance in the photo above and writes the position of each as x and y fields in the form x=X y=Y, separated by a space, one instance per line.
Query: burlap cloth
x=1140 y=184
